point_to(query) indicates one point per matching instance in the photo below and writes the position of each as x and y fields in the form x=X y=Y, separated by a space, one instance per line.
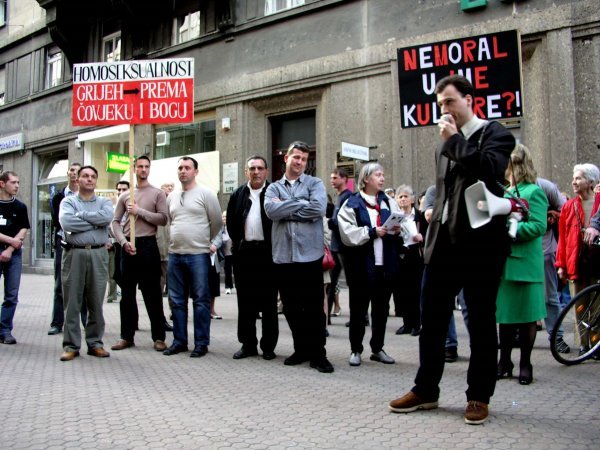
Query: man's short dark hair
x=189 y=158
x=87 y=167
x=462 y=85
x=122 y=182
x=141 y=157
x=257 y=157
x=340 y=172
x=302 y=146
x=5 y=176
x=78 y=164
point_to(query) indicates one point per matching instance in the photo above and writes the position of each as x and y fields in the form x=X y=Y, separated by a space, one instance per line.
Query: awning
x=117 y=133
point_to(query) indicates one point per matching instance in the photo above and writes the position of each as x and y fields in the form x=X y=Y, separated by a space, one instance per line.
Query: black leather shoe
x=199 y=350
x=168 y=326
x=366 y=322
x=322 y=365
x=269 y=355
x=8 y=339
x=451 y=355
x=174 y=349
x=244 y=353
x=403 y=330
x=295 y=359
x=415 y=332
x=53 y=330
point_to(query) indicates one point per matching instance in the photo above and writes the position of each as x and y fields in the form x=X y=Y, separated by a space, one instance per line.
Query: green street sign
x=117 y=162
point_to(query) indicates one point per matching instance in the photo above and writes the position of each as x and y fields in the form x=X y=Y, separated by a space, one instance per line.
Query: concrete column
x=560 y=126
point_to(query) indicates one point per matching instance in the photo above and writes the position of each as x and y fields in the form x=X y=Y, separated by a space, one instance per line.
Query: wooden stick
x=132 y=184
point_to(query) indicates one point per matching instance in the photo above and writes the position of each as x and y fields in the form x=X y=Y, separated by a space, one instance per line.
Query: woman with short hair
x=371 y=260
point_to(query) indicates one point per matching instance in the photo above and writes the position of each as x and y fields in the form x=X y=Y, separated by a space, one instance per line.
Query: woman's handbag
x=328 y=261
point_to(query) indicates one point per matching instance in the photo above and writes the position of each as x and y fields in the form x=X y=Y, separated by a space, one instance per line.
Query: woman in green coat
x=521 y=301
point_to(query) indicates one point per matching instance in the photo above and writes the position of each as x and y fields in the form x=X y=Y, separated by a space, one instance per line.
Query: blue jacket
x=361 y=259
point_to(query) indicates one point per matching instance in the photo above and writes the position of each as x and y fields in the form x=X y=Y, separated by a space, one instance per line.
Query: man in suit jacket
x=460 y=257
x=250 y=231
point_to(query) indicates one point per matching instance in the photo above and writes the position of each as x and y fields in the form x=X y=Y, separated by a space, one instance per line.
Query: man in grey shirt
x=549 y=245
x=296 y=205
x=84 y=218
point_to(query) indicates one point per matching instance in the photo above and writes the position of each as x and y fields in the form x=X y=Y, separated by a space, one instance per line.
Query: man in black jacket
x=339 y=181
x=460 y=257
x=58 y=311
x=253 y=268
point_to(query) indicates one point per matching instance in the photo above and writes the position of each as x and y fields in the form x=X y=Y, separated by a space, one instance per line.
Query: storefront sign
x=355 y=151
x=492 y=63
x=11 y=143
x=117 y=162
x=230 y=177
x=133 y=92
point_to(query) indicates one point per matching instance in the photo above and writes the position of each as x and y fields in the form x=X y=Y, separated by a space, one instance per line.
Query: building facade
x=271 y=71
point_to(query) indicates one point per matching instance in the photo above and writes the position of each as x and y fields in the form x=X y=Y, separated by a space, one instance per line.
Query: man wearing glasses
x=114 y=251
x=250 y=231
x=58 y=311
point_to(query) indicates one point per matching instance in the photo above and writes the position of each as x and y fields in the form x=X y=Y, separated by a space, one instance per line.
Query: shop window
x=275 y=6
x=52 y=178
x=54 y=64
x=2 y=85
x=112 y=47
x=3 y=8
x=186 y=27
x=180 y=140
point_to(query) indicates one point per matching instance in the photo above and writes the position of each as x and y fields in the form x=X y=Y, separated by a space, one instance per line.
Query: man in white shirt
x=250 y=231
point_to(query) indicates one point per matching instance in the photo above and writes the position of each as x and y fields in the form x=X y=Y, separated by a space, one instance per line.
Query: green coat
x=521 y=293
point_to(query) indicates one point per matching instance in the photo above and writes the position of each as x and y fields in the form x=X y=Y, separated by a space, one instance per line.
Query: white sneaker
x=228 y=291
x=354 y=359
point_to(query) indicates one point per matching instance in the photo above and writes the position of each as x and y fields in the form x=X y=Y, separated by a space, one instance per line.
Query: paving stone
x=139 y=398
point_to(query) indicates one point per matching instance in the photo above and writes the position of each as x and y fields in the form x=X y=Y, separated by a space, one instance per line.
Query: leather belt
x=68 y=246
x=250 y=244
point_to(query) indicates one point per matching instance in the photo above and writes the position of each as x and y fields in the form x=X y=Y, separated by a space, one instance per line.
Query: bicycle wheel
x=576 y=335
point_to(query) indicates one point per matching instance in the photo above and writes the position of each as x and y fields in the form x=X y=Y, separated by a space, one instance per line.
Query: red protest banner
x=133 y=92
x=491 y=62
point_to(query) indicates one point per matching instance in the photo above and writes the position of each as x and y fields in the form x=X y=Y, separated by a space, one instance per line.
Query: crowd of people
x=274 y=235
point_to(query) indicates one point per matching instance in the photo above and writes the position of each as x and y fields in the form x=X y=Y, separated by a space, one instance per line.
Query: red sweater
x=569 y=235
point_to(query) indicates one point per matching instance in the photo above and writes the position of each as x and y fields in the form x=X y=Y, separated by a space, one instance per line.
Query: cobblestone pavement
x=139 y=399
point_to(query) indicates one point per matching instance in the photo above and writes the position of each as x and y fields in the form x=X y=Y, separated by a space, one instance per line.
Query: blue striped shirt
x=297 y=211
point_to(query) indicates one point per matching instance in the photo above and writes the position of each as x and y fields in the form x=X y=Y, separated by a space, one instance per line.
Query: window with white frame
x=2 y=84
x=186 y=27
x=3 y=8
x=111 y=47
x=54 y=63
x=274 y=6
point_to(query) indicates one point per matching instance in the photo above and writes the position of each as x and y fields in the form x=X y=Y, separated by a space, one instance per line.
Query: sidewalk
x=139 y=399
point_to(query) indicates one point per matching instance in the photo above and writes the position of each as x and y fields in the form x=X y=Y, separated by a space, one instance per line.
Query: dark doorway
x=287 y=128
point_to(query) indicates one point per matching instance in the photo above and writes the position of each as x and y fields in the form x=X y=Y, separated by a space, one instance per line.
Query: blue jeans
x=452 y=337
x=12 y=279
x=564 y=296
x=187 y=276
x=553 y=306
